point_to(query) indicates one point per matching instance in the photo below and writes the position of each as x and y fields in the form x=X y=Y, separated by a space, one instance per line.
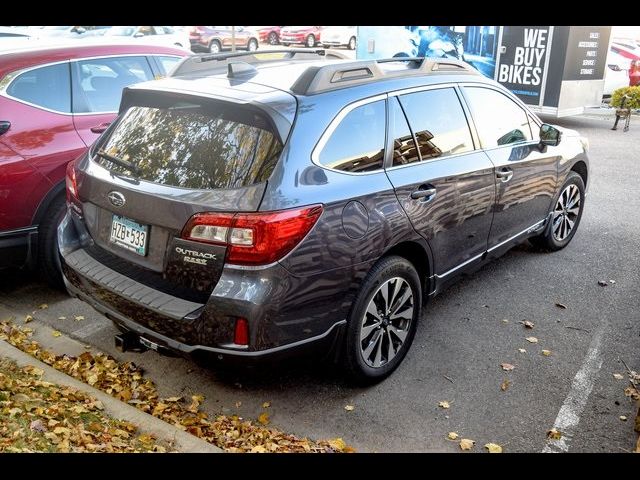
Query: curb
x=182 y=441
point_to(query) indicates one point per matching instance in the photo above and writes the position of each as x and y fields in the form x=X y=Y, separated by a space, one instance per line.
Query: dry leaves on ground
x=522 y=350
x=527 y=324
x=452 y=435
x=444 y=404
x=531 y=339
x=618 y=376
x=561 y=305
x=546 y=353
x=349 y=408
x=39 y=416
x=467 y=444
x=554 y=434
x=507 y=367
x=125 y=381
x=505 y=385
x=493 y=448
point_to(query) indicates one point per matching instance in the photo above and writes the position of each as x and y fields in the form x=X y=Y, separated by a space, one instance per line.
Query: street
x=466 y=334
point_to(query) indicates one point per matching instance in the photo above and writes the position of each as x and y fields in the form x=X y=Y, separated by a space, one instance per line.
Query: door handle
x=427 y=193
x=505 y=174
x=100 y=128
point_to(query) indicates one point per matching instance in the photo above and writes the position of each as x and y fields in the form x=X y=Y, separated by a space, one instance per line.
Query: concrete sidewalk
x=181 y=441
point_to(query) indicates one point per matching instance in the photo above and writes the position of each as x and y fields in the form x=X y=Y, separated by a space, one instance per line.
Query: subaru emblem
x=116 y=198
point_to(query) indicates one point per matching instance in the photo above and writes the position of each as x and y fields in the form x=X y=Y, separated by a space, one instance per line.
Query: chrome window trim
x=326 y=135
x=8 y=79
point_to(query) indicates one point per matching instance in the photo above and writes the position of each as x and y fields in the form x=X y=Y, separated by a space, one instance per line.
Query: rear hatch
x=167 y=158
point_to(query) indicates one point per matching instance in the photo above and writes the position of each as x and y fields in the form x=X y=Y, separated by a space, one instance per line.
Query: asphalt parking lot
x=460 y=344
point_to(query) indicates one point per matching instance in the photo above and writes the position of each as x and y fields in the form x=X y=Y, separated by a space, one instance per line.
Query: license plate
x=129 y=234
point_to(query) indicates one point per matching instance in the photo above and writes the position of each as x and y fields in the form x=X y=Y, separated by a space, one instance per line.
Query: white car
x=616 y=73
x=166 y=36
x=339 y=37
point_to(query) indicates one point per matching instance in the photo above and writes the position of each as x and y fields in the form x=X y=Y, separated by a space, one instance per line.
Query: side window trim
x=389 y=148
x=326 y=135
x=9 y=78
x=516 y=101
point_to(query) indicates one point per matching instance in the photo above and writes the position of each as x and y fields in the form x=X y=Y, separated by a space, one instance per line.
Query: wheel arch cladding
x=417 y=254
x=581 y=169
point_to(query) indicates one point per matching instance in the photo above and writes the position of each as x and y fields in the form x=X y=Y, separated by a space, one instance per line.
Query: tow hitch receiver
x=129 y=341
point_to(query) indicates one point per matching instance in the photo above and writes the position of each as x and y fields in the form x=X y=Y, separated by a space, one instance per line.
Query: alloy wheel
x=565 y=213
x=386 y=322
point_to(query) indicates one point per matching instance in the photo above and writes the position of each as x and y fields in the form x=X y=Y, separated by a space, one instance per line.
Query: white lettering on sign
x=594 y=35
x=590 y=63
x=588 y=44
x=527 y=60
x=591 y=53
x=586 y=71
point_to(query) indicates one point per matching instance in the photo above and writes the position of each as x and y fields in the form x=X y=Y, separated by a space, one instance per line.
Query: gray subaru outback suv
x=255 y=205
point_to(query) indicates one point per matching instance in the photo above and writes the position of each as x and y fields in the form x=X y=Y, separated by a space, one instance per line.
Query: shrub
x=633 y=92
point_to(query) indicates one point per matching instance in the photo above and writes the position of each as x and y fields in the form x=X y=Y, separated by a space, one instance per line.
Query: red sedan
x=54 y=103
x=308 y=36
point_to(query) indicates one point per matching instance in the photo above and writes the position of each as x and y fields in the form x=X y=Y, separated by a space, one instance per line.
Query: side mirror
x=549 y=135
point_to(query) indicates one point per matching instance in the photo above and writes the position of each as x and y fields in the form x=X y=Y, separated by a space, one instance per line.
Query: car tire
x=272 y=39
x=286 y=44
x=352 y=43
x=215 y=47
x=377 y=337
x=311 y=41
x=252 y=45
x=567 y=211
x=48 y=256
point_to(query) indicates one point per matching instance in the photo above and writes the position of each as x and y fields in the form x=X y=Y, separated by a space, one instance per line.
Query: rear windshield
x=193 y=146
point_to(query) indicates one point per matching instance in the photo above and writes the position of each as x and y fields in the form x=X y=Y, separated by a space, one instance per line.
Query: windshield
x=191 y=145
x=120 y=31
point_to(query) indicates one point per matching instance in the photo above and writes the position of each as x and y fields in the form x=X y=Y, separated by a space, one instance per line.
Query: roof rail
x=318 y=79
x=218 y=62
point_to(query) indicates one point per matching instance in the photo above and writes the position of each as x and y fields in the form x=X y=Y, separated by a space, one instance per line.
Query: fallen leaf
x=618 y=376
x=546 y=353
x=602 y=283
x=43 y=306
x=493 y=448
x=522 y=350
x=504 y=320
x=623 y=418
x=38 y=426
x=349 y=408
x=452 y=436
x=37 y=372
x=79 y=317
x=507 y=367
x=527 y=324
x=338 y=444
x=258 y=449
x=561 y=305
x=173 y=399
x=238 y=404
x=56 y=333
x=612 y=282
x=531 y=339
x=504 y=385
x=444 y=404
x=466 y=444
x=264 y=418
x=62 y=318
x=554 y=434
x=266 y=404
x=28 y=319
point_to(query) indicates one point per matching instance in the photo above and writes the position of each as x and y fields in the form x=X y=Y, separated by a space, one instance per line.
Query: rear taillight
x=72 y=184
x=241 y=332
x=253 y=238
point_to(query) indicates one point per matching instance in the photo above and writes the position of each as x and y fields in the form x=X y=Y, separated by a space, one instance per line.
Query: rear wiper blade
x=119 y=161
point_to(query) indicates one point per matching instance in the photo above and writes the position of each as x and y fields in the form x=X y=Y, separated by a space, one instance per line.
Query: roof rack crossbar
x=209 y=62
x=336 y=75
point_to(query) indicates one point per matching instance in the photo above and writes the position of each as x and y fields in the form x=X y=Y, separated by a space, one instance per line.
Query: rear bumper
x=276 y=328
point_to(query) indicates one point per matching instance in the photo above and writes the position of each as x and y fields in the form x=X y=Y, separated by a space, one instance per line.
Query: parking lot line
x=572 y=407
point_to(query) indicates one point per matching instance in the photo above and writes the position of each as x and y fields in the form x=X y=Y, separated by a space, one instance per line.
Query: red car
x=267 y=34
x=54 y=102
x=215 y=39
x=309 y=36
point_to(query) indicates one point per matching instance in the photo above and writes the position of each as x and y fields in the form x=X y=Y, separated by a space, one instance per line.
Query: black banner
x=586 y=53
x=522 y=61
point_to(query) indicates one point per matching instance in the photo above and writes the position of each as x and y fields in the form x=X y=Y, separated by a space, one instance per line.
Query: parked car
x=54 y=102
x=314 y=203
x=151 y=35
x=215 y=39
x=616 y=74
x=308 y=36
x=67 y=31
x=269 y=34
x=340 y=37
x=14 y=32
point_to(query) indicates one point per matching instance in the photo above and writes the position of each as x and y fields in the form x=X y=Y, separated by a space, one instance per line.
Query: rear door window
x=192 y=145
x=48 y=87
x=98 y=83
x=438 y=122
x=357 y=143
